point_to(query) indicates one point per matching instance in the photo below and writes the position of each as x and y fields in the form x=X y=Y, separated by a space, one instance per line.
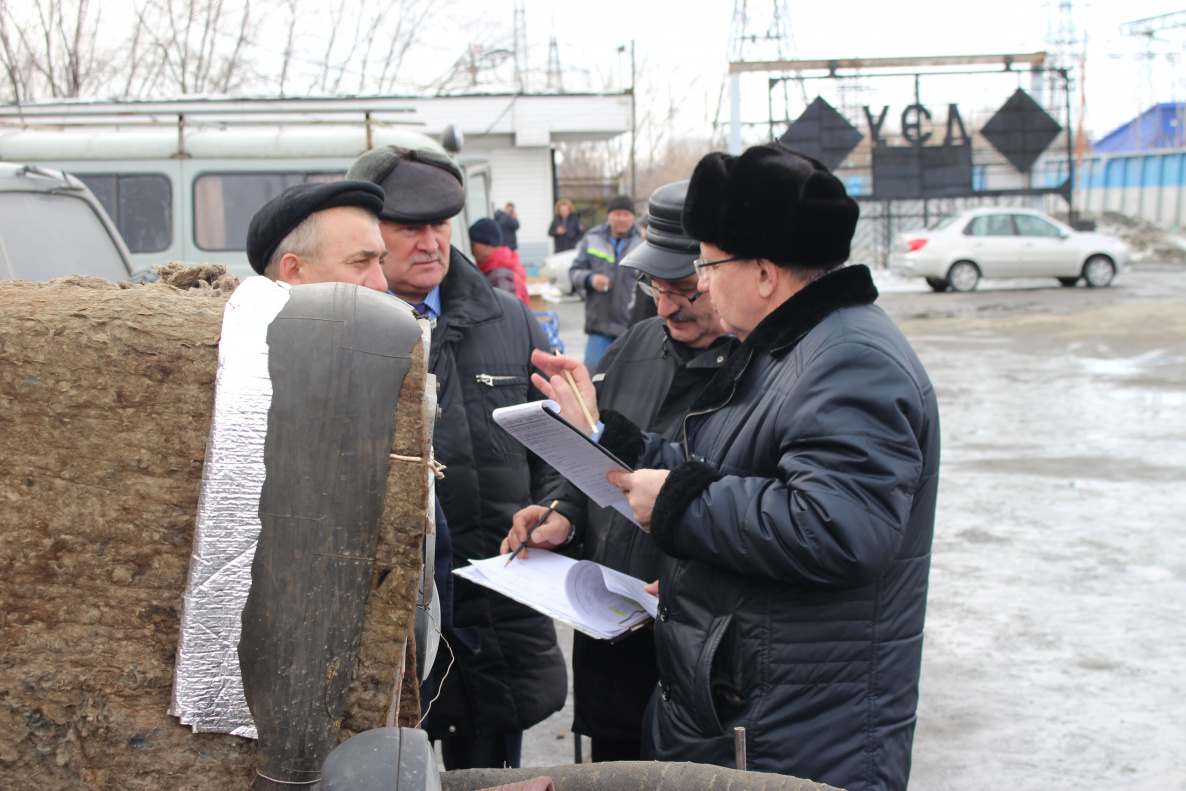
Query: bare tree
x=49 y=47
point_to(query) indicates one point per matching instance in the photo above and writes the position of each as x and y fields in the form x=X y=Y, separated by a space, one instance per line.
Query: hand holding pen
x=558 y=529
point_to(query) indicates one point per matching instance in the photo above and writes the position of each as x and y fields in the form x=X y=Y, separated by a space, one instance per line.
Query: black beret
x=422 y=187
x=281 y=215
x=771 y=202
x=668 y=252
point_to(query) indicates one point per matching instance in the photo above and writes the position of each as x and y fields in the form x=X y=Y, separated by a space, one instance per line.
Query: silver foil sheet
x=207 y=683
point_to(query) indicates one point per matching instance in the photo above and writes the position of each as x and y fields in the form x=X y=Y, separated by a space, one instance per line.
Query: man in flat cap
x=596 y=273
x=651 y=374
x=798 y=508
x=509 y=672
x=320 y=233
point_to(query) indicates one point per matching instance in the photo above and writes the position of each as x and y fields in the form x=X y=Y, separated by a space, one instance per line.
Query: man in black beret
x=320 y=233
x=596 y=273
x=509 y=673
x=797 y=511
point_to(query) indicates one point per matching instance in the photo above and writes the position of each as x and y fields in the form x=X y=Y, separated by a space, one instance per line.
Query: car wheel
x=1098 y=271
x=963 y=276
x=1068 y=281
x=937 y=284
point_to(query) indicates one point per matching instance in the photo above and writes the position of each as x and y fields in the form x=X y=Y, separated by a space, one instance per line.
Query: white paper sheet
x=570 y=452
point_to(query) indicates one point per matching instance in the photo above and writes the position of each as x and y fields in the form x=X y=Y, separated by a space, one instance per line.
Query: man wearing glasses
x=798 y=507
x=651 y=374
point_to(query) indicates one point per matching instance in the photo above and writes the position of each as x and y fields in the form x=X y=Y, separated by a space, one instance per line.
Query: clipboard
x=542 y=429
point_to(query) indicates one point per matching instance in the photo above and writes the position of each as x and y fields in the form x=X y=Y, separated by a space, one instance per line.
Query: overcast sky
x=682 y=47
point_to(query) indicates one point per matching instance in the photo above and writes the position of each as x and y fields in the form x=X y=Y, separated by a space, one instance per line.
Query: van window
x=44 y=235
x=224 y=203
x=141 y=204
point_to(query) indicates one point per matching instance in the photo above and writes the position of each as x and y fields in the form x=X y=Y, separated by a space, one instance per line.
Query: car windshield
x=46 y=235
x=945 y=222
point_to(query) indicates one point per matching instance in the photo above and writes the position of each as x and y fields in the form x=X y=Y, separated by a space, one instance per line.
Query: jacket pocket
x=496 y=389
x=716 y=696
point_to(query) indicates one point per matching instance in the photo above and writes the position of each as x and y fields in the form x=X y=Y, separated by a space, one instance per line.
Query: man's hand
x=561 y=229
x=557 y=388
x=652 y=588
x=550 y=534
x=641 y=488
x=600 y=282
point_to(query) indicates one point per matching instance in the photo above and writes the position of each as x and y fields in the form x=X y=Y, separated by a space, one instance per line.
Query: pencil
x=531 y=532
x=580 y=400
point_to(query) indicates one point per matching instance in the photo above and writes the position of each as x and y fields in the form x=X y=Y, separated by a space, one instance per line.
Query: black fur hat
x=771 y=202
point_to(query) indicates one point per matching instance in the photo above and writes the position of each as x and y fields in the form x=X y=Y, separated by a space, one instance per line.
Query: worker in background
x=608 y=287
x=499 y=263
x=508 y=221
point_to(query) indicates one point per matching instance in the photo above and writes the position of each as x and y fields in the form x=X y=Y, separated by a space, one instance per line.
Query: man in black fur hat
x=799 y=508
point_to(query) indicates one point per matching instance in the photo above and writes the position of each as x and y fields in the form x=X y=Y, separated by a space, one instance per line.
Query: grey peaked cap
x=421 y=187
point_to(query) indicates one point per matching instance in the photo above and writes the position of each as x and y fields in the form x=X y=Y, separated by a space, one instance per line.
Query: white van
x=181 y=180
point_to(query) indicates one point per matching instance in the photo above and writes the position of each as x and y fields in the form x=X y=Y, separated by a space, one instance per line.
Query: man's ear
x=769 y=273
x=290 y=269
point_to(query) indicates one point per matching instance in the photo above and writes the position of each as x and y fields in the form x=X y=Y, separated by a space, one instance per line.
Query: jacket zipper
x=495 y=381
x=733 y=392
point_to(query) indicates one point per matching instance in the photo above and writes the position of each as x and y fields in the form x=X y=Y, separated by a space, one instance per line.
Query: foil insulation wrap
x=208 y=685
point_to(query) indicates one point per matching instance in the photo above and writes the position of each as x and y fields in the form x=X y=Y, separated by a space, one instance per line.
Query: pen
x=530 y=533
x=580 y=400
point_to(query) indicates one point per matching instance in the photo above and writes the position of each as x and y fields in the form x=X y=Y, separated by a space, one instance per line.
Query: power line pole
x=520 y=46
x=555 y=77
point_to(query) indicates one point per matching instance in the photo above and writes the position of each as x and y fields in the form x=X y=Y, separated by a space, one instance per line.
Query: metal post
x=1066 y=81
x=739 y=760
x=633 y=122
x=734 y=113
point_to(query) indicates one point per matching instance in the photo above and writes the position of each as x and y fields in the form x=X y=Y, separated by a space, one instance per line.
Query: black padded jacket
x=509 y=672
x=798 y=517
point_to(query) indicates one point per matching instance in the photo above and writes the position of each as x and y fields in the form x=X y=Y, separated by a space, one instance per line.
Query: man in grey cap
x=652 y=374
x=509 y=672
x=596 y=273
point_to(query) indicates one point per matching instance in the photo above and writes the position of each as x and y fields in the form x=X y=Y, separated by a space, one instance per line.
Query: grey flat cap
x=421 y=187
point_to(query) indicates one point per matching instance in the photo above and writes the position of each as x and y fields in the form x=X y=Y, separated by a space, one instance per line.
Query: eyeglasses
x=654 y=292
x=701 y=264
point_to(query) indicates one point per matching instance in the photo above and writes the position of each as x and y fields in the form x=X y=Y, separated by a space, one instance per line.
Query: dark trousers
x=493 y=752
x=616 y=750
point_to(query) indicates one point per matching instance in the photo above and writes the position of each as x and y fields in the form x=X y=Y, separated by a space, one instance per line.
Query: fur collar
x=778 y=333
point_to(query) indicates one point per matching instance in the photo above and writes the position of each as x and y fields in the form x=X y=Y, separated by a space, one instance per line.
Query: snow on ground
x=1055 y=652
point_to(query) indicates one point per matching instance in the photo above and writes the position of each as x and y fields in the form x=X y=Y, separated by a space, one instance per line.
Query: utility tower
x=555 y=80
x=760 y=31
x=520 y=47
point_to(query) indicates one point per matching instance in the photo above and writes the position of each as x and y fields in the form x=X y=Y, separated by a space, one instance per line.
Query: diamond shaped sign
x=1021 y=130
x=823 y=133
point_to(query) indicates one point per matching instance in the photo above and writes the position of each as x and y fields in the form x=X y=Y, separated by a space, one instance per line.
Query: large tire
x=937 y=284
x=1098 y=271
x=963 y=276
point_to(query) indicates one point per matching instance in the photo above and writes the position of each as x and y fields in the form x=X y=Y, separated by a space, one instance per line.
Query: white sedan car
x=1003 y=242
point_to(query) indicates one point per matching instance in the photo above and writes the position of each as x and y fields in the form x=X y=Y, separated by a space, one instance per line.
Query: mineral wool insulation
x=208 y=686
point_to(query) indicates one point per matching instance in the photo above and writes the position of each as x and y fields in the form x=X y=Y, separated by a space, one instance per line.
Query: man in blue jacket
x=799 y=506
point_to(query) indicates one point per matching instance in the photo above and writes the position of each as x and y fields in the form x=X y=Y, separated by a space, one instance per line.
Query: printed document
x=539 y=426
x=587 y=596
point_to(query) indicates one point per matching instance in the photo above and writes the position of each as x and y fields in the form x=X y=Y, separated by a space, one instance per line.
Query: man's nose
x=427 y=240
x=374 y=278
x=665 y=305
